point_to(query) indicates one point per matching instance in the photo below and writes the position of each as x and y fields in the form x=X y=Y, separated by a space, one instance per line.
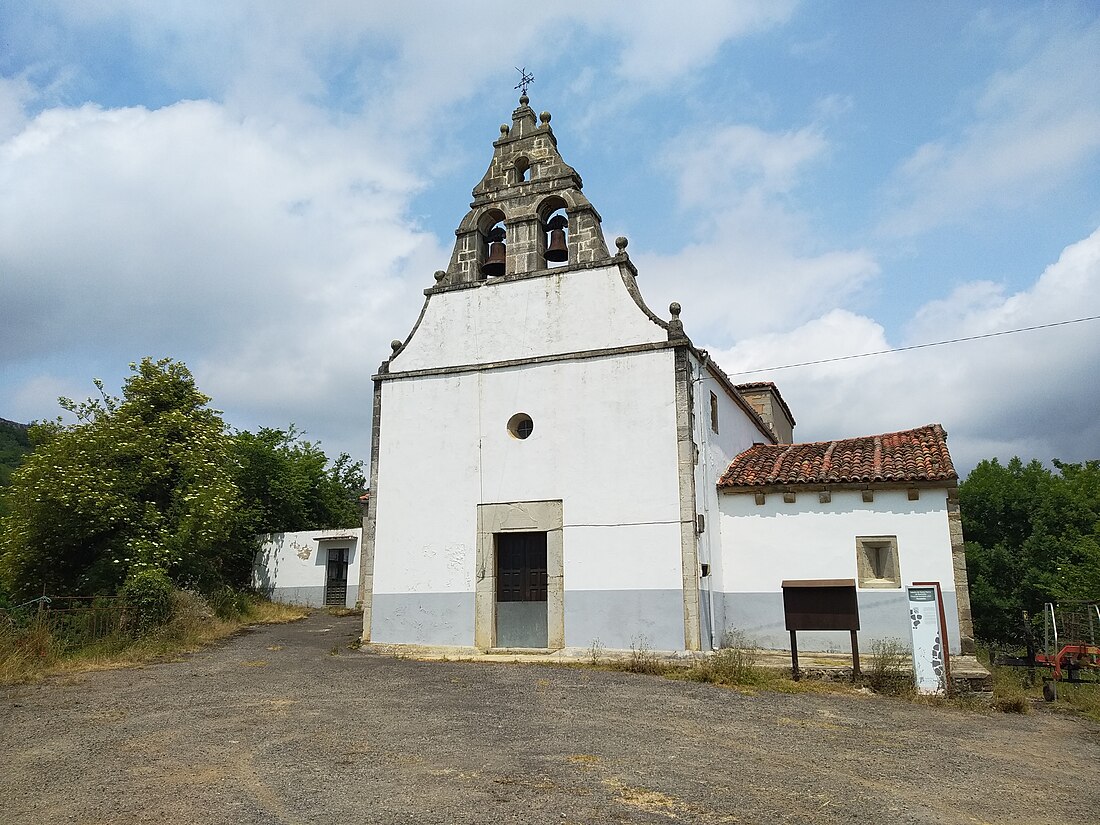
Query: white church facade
x=554 y=464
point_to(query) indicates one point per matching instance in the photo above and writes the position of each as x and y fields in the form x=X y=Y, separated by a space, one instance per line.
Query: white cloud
x=262 y=257
x=1032 y=128
x=738 y=161
x=1032 y=394
x=14 y=95
x=666 y=41
x=755 y=266
x=261 y=232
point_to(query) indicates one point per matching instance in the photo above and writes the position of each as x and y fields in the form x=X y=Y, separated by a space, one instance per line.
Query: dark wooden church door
x=521 y=567
x=521 y=590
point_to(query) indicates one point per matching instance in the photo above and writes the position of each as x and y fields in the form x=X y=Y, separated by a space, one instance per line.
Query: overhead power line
x=917 y=346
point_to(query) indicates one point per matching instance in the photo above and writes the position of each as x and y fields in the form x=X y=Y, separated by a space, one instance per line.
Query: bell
x=494 y=263
x=556 y=250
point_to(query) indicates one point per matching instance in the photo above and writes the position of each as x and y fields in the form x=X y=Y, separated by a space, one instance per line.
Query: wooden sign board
x=821 y=604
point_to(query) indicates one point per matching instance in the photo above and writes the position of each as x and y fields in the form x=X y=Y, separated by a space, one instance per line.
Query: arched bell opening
x=492 y=251
x=554 y=244
x=521 y=170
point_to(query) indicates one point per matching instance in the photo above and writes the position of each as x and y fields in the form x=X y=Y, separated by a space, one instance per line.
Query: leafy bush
x=228 y=603
x=891 y=671
x=147 y=595
x=733 y=664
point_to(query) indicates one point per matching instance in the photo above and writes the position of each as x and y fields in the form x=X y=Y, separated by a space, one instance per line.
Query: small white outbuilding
x=555 y=465
x=311 y=567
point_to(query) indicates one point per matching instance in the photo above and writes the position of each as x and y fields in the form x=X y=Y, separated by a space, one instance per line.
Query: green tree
x=14 y=444
x=1033 y=536
x=285 y=483
x=142 y=481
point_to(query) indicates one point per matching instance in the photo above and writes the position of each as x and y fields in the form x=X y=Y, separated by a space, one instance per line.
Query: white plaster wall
x=736 y=433
x=500 y=320
x=764 y=544
x=292 y=560
x=428 y=484
x=596 y=557
x=604 y=442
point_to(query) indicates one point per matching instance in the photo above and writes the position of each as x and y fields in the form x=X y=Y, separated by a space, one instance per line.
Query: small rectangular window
x=714 y=412
x=877 y=561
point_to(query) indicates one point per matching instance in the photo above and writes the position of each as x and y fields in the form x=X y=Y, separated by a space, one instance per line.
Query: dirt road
x=285 y=724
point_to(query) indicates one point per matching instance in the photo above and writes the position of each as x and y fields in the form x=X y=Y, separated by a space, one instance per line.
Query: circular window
x=520 y=425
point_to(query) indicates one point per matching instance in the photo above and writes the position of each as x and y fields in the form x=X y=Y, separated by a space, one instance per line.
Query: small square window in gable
x=877 y=562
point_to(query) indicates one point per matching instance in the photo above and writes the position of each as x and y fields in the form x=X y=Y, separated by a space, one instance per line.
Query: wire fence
x=64 y=623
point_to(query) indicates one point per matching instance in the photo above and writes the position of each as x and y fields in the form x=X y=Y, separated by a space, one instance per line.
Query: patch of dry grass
x=1014 y=691
x=30 y=653
x=344 y=611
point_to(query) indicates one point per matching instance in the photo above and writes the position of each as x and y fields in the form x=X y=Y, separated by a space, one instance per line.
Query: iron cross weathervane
x=525 y=80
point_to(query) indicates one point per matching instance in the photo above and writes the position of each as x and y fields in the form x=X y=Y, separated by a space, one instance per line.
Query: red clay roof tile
x=911 y=455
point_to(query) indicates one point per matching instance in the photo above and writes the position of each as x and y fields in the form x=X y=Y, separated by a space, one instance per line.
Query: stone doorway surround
x=519 y=517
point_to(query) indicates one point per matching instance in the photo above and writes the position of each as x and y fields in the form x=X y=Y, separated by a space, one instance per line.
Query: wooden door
x=521 y=567
x=521 y=615
x=336 y=579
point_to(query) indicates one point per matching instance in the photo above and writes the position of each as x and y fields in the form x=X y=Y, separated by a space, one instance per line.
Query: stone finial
x=504 y=130
x=524 y=100
x=440 y=274
x=395 y=345
x=620 y=243
x=544 y=118
x=675 y=326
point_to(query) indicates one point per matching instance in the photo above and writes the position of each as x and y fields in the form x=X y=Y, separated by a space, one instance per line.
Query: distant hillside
x=14 y=444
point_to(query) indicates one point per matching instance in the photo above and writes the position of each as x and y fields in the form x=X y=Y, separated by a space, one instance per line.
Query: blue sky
x=264 y=189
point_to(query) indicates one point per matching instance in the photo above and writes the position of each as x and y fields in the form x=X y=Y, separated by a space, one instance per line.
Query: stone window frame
x=888 y=562
x=714 y=413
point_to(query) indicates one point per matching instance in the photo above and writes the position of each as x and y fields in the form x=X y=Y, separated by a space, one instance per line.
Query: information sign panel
x=929 y=665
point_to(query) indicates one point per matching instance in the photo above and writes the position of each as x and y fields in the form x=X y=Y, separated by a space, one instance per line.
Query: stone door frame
x=519 y=517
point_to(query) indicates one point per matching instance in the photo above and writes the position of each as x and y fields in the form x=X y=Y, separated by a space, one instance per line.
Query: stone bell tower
x=528 y=211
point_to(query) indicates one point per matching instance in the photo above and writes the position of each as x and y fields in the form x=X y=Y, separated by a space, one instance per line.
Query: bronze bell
x=556 y=250
x=494 y=264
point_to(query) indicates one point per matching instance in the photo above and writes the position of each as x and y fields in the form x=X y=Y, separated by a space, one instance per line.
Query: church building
x=554 y=464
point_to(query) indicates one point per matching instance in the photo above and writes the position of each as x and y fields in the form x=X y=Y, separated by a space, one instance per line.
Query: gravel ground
x=286 y=724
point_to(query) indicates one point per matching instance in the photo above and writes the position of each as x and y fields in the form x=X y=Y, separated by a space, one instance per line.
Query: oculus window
x=520 y=425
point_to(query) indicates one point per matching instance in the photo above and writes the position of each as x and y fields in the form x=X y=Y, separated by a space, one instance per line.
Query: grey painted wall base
x=423 y=618
x=311 y=596
x=883 y=614
x=521 y=624
x=617 y=618
x=620 y=618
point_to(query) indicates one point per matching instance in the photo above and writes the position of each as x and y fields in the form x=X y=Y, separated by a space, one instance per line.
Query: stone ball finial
x=544 y=117
x=505 y=129
x=524 y=100
x=395 y=345
x=440 y=274
x=674 y=308
x=621 y=243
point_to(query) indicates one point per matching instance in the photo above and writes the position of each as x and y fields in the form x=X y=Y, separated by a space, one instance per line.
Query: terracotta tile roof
x=910 y=455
